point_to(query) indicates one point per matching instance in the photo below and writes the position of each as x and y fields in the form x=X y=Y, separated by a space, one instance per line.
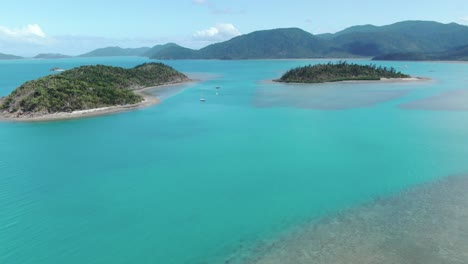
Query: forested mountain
x=455 y=54
x=357 y=41
x=402 y=37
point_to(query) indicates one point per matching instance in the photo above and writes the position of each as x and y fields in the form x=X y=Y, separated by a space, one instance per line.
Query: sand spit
x=426 y=224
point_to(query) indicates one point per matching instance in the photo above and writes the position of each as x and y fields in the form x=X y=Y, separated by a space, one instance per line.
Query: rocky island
x=341 y=71
x=87 y=90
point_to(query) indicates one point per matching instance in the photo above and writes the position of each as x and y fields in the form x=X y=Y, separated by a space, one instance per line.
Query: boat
x=217 y=87
x=202 y=99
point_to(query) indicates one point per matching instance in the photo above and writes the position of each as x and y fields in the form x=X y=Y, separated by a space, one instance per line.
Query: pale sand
x=382 y=80
x=427 y=224
x=391 y=80
x=148 y=100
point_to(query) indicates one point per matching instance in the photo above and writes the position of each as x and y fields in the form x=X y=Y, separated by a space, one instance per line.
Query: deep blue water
x=191 y=182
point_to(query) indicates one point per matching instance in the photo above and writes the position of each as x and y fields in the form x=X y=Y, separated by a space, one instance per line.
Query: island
x=340 y=71
x=87 y=90
x=51 y=56
x=4 y=56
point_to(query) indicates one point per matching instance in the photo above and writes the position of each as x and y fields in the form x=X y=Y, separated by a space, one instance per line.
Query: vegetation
x=341 y=71
x=88 y=87
x=455 y=54
x=357 y=41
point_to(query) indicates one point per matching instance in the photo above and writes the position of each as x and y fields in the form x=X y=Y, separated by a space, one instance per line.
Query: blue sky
x=73 y=27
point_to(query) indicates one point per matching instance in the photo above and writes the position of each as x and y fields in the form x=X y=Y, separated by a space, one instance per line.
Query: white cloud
x=464 y=20
x=217 y=33
x=28 y=33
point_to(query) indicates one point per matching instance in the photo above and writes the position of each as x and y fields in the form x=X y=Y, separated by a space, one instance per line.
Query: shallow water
x=425 y=224
x=191 y=182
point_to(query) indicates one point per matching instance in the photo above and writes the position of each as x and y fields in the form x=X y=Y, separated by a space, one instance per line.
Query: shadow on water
x=425 y=224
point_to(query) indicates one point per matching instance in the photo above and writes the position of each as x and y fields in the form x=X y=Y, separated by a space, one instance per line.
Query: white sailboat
x=202 y=99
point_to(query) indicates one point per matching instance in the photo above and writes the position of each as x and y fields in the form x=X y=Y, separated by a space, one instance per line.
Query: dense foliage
x=341 y=71
x=88 y=87
x=457 y=54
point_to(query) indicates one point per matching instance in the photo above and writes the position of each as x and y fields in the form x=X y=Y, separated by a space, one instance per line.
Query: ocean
x=218 y=182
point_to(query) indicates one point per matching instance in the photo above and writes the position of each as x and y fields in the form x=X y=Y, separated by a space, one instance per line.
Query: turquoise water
x=191 y=182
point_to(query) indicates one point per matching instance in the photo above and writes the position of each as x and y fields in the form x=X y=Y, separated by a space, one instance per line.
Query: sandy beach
x=148 y=100
x=382 y=80
x=390 y=80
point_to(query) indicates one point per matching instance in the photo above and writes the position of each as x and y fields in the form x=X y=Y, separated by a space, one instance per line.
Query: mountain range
x=357 y=41
x=407 y=40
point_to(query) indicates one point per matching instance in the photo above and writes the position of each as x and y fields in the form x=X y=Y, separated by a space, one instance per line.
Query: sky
x=29 y=27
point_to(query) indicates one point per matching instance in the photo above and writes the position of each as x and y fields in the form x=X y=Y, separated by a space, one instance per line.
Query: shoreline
x=148 y=100
x=382 y=80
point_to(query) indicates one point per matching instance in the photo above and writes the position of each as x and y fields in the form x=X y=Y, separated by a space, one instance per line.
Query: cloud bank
x=219 y=32
x=28 y=33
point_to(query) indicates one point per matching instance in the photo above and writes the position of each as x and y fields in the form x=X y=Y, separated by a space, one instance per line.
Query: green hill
x=356 y=41
x=265 y=44
x=268 y=44
x=9 y=57
x=87 y=87
x=454 y=54
x=341 y=71
x=175 y=52
x=154 y=50
x=401 y=37
x=115 y=51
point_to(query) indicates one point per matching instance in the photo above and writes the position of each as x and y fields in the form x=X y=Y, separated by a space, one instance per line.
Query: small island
x=87 y=90
x=341 y=71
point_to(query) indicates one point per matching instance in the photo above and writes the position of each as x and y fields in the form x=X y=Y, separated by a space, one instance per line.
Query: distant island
x=115 y=51
x=341 y=71
x=86 y=90
x=4 y=56
x=51 y=56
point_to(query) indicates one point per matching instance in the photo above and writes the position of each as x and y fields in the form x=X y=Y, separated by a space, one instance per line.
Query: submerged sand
x=427 y=224
x=148 y=100
x=333 y=95
x=454 y=100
